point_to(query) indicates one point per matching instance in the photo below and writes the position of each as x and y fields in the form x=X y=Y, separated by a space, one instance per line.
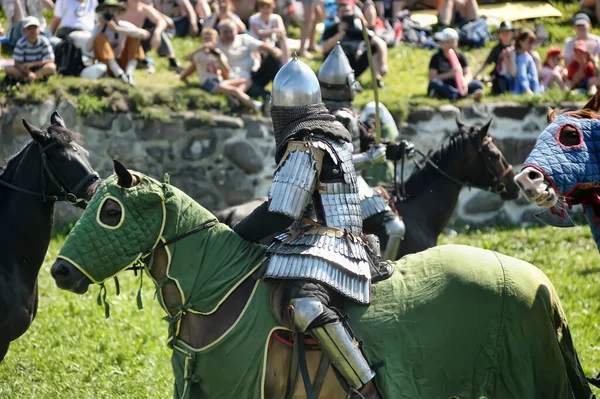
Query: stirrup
x=344 y=354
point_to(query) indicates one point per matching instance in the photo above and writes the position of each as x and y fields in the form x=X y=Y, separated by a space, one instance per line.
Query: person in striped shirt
x=33 y=54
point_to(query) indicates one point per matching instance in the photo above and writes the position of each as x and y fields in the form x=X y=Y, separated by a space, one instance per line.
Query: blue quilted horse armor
x=567 y=167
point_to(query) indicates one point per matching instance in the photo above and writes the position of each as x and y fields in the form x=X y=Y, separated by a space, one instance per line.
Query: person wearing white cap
x=449 y=68
x=582 y=26
x=33 y=54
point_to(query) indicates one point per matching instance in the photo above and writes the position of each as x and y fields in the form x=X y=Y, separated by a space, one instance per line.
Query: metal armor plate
x=295 y=179
x=331 y=253
x=371 y=202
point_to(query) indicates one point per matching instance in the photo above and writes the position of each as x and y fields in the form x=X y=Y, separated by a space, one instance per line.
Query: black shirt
x=352 y=38
x=495 y=54
x=441 y=64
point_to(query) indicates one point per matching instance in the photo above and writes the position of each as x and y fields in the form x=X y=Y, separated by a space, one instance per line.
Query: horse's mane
x=444 y=156
x=582 y=113
x=64 y=136
x=7 y=171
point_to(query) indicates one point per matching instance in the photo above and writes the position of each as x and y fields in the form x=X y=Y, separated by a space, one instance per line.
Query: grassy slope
x=71 y=351
x=405 y=85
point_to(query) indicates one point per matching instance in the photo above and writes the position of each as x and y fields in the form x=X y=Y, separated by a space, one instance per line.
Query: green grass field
x=73 y=352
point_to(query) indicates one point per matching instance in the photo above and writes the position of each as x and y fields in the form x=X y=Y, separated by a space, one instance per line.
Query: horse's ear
x=57 y=120
x=35 y=132
x=550 y=115
x=125 y=179
x=459 y=123
x=594 y=103
x=485 y=129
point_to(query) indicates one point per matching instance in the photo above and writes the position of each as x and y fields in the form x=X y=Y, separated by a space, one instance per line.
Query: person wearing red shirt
x=581 y=71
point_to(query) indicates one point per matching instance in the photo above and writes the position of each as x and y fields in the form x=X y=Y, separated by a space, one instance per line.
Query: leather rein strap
x=175 y=239
x=69 y=194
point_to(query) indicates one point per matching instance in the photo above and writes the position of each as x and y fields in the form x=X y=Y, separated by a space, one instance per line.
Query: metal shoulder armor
x=295 y=179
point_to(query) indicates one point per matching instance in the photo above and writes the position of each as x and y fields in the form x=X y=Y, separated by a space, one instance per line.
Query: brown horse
x=468 y=158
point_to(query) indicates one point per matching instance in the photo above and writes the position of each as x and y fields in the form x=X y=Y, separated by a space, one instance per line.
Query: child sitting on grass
x=212 y=68
x=582 y=74
x=553 y=73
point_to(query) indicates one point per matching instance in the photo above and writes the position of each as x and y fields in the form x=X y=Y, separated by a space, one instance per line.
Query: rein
x=497 y=186
x=160 y=245
x=69 y=195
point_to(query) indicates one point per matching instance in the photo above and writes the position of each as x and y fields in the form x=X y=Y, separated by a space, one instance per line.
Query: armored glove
x=374 y=155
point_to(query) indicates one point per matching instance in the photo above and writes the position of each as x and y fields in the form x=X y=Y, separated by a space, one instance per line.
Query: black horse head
x=65 y=171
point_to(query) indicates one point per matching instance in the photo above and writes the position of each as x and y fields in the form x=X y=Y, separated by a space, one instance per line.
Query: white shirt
x=31 y=7
x=239 y=55
x=76 y=15
x=207 y=66
x=256 y=21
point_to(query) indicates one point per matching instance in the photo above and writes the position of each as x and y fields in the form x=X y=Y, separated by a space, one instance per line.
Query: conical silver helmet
x=295 y=85
x=336 y=76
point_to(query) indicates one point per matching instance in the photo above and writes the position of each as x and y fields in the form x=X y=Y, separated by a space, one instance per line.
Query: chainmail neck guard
x=333 y=105
x=296 y=122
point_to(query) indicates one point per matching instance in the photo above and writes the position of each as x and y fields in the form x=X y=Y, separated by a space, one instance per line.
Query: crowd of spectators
x=243 y=43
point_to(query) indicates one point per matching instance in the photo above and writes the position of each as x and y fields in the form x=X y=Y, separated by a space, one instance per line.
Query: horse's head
x=66 y=172
x=485 y=167
x=564 y=159
x=124 y=221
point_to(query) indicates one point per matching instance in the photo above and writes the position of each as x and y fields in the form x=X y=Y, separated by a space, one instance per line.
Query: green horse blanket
x=451 y=321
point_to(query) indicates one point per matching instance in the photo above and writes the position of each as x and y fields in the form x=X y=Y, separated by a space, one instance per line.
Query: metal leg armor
x=395 y=230
x=335 y=342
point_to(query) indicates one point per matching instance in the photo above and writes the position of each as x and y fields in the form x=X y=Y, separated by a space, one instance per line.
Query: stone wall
x=223 y=161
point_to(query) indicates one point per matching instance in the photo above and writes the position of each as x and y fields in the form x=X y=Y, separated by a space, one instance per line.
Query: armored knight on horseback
x=325 y=258
x=337 y=82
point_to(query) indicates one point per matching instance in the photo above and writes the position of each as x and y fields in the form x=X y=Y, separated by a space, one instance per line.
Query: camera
x=107 y=16
x=348 y=20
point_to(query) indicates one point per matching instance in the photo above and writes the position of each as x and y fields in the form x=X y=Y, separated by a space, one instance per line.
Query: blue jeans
x=443 y=90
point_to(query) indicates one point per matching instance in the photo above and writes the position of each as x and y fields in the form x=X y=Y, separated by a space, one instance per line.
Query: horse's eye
x=569 y=136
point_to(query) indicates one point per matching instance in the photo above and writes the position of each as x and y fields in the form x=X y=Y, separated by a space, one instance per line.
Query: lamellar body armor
x=329 y=249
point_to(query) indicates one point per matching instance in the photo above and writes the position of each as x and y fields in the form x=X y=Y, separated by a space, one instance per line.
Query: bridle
x=497 y=186
x=68 y=194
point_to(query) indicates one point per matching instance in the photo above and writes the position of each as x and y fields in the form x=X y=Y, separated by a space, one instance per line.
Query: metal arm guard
x=361 y=161
x=295 y=179
x=395 y=230
x=335 y=342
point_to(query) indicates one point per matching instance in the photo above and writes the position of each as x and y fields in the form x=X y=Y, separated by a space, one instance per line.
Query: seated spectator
x=553 y=73
x=238 y=49
x=244 y=9
x=145 y=16
x=33 y=54
x=590 y=8
x=456 y=11
x=348 y=31
x=212 y=66
x=182 y=14
x=330 y=10
x=443 y=74
x=581 y=71
x=505 y=33
x=388 y=9
x=115 y=43
x=74 y=16
x=521 y=66
x=16 y=11
x=269 y=27
x=202 y=9
x=582 y=26
x=224 y=10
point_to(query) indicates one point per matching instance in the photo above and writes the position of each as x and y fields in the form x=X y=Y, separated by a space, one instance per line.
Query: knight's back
x=316 y=185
